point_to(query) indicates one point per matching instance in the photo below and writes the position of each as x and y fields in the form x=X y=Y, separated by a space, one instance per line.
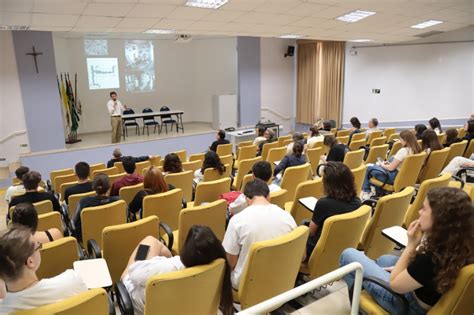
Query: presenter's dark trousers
x=116 y=122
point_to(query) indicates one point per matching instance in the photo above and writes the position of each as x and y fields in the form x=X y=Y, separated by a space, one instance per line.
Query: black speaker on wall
x=290 y=51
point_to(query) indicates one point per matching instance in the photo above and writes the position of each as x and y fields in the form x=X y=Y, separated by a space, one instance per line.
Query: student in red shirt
x=128 y=180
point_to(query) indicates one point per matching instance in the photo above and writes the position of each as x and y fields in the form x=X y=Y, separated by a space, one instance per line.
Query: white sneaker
x=365 y=195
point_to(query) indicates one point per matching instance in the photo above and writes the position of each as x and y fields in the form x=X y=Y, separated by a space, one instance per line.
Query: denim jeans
x=378 y=175
x=375 y=269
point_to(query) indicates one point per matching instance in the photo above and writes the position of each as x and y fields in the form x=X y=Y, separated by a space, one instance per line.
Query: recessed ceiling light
x=157 y=31
x=426 y=24
x=355 y=16
x=360 y=40
x=291 y=36
x=207 y=4
x=14 y=28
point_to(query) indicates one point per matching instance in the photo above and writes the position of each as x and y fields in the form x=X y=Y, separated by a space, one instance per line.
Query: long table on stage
x=177 y=113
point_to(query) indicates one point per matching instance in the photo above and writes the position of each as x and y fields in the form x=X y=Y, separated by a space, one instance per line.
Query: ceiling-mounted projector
x=183 y=38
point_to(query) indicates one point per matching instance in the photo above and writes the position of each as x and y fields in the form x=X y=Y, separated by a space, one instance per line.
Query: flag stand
x=71 y=106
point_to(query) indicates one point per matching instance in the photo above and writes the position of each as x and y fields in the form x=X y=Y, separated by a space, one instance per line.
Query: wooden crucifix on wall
x=35 y=54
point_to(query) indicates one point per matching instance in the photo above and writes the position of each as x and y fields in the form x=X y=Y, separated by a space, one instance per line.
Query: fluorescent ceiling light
x=355 y=16
x=14 y=27
x=157 y=31
x=360 y=40
x=291 y=36
x=207 y=4
x=426 y=24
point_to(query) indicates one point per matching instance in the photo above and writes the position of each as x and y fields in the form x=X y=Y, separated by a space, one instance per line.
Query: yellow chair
x=354 y=159
x=210 y=191
x=196 y=157
x=317 y=144
x=457 y=149
x=95 y=219
x=378 y=141
x=184 y=181
x=212 y=174
x=245 y=153
x=181 y=154
x=293 y=176
x=266 y=148
x=278 y=198
x=97 y=166
x=276 y=154
x=343 y=133
x=277 y=259
x=127 y=193
x=389 y=211
x=458 y=300
x=388 y=132
x=407 y=176
x=155 y=160
x=393 y=137
x=376 y=134
x=59 y=180
x=244 y=169
x=412 y=211
x=469 y=150
x=461 y=132
x=63 y=187
x=334 y=239
x=119 y=166
x=247 y=178
x=224 y=149
x=378 y=151
x=63 y=172
x=395 y=147
x=140 y=166
x=57 y=257
x=309 y=188
x=227 y=159
x=165 y=206
x=357 y=144
x=242 y=144
x=16 y=181
x=358 y=136
x=282 y=139
x=41 y=207
x=107 y=171
x=343 y=140
x=192 y=166
x=73 y=201
x=442 y=138
x=50 y=220
x=287 y=142
x=313 y=155
x=116 y=177
x=94 y=301
x=359 y=176
x=334 y=130
x=434 y=164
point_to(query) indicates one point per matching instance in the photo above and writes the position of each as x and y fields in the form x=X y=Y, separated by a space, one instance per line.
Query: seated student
x=337 y=151
x=297 y=137
x=326 y=128
x=269 y=138
x=373 y=126
x=439 y=245
x=409 y=146
x=261 y=170
x=451 y=137
x=220 y=139
x=430 y=142
x=83 y=185
x=356 y=125
x=211 y=160
x=315 y=136
x=455 y=165
x=17 y=189
x=172 y=164
x=435 y=125
x=117 y=157
x=20 y=258
x=130 y=179
x=419 y=129
x=200 y=248
x=153 y=183
x=260 y=131
x=260 y=221
x=101 y=186
x=25 y=214
x=31 y=181
x=469 y=127
x=294 y=159
x=341 y=197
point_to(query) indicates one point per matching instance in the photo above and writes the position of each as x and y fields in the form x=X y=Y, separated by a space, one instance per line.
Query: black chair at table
x=149 y=121
x=130 y=122
x=166 y=119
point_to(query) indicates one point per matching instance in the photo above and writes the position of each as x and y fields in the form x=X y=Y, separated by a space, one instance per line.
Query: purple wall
x=39 y=91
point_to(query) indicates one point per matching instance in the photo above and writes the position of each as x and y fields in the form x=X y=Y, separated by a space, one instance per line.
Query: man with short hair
x=83 y=185
x=117 y=157
x=128 y=180
x=115 y=109
x=258 y=222
x=373 y=126
x=31 y=181
x=17 y=189
x=220 y=139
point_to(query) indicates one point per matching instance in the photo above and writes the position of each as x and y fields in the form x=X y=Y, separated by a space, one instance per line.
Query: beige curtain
x=320 y=80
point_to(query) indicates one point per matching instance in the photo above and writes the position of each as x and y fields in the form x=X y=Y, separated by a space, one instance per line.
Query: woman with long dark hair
x=172 y=164
x=435 y=125
x=430 y=142
x=440 y=243
x=211 y=160
x=294 y=159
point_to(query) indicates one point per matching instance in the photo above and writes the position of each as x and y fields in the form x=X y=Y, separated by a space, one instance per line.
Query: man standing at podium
x=116 y=109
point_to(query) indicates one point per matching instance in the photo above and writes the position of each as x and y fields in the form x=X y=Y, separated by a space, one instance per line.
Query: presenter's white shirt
x=253 y=224
x=115 y=110
x=46 y=291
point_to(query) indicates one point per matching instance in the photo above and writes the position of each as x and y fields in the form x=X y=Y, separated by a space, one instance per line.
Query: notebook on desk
x=308 y=202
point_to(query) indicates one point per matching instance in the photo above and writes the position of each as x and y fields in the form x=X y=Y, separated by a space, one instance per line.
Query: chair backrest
x=359 y=176
x=357 y=144
x=282 y=139
x=245 y=166
x=97 y=166
x=309 y=188
x=212 y=214
x=95 y=219
x=192 y=165
x=120 y=240
x=277 y=259
x=388 y=132
x=57 y=257
x=278 y=198
x=393 y=137
x=73 y=201
x=224 y=149
x=16 y=181
x=313 y=155
x=42 y=207
x=442 y=138
x=317 y=144
x=354 y=159
x=287 y=142
x=376 y=152
x=127 y=193
x=194 y=290
x=227 y=159
x=343 y=133
x=181 y=154
x=56 y=173
x=107 y=171
x=409 y=172
x=458 y=300
x=116 y=177
x=276 y=154
x=247 y=178
x=293 y=176
x=266 y=148
x=211 y=174
x=50 y=220
x=469 y=150
x=94 y=301
x=378 y=141
x=184 y=181
x=247 y=152
x=376 y=134
x=119 y=166
x=196 y=157
x=140 y=166
x=434 y=164
x=390 y=211
x=165 y=206
x=339 y=232
x=397 y=145
x=155 y=160
x=358 y=136
x=210 y=191
x=59 y=180
x=412 y=212
x=165 y=109
x=63 y=188
x=457 y=149
x=343 y=139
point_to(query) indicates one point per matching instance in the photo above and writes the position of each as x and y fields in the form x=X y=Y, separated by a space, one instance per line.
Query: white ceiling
x=313 y=19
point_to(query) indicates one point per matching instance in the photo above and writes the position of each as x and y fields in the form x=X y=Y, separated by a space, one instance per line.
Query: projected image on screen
x=139 y=66
x=96 y=47
x=103 y=73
